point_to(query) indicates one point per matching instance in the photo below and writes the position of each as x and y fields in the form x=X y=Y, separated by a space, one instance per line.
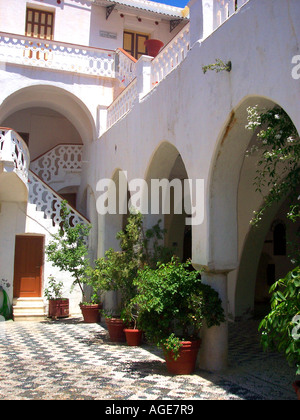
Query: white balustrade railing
x=55 y=55
x=170 y=56
x=125 y=66
x=49 y=202
x=14 y=152
x=59 y=160
x=122 y=104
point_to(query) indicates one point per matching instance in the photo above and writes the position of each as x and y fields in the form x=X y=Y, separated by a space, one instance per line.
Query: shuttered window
x=39 y=24
x=133 y=43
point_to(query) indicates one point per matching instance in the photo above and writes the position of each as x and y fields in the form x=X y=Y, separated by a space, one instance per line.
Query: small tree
x=278 y=173
x=68 y=248
x=278 y=170
x=118 y=269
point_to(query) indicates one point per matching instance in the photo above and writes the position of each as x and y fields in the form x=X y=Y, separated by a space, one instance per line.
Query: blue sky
x=177 y=3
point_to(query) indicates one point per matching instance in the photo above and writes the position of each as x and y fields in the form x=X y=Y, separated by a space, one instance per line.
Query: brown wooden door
x=29 y=251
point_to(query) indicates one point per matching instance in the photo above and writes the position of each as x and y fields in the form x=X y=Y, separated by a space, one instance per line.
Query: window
x=133 y=43
x=39 y=24
x=279 y=238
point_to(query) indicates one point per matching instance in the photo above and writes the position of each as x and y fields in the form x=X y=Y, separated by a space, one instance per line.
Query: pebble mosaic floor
x=70 y=360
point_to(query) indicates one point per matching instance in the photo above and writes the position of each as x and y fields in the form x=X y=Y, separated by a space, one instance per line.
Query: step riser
x=26 y=309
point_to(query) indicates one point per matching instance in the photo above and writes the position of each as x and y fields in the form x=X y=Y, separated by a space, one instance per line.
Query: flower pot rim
x=58 y=299
x=154 y=41
x=132 y=329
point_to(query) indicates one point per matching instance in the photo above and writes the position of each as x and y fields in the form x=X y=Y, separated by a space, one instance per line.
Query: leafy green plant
x=68 y=248
x=218 y=66
x=280 y=328
x=54 y=289
x=173 y=303
x=117 y=269
x=278 y=171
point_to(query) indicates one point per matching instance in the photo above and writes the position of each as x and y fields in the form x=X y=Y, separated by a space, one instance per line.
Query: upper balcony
x=60 y=56
x=14 y=166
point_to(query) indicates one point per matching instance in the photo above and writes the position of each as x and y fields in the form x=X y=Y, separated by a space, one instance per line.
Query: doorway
x=28 y=271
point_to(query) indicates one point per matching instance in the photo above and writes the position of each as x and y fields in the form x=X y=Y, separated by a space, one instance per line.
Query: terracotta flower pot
x=153 y=46
x=133 y=336
x=115 y=328
x=296 y=386
x=186 y=362
x=91 y=313
x=58 y=308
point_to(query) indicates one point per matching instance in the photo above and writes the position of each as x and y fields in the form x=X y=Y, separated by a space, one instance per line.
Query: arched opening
x=165 y=183
x=236 y=250
x=55 y=125
x=55 y=99
x=263 y=251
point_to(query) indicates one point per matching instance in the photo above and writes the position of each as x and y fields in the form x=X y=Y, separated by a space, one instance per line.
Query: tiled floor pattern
x=70 y=360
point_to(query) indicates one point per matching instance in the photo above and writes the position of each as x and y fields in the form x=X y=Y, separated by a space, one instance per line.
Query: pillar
x=214 y=348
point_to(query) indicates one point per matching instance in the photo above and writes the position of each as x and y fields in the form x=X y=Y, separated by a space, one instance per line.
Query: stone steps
x=29 y=309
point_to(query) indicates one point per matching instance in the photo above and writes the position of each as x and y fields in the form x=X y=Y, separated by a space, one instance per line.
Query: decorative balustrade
x=125 y=67
x=54 y=55
x=49 y=202
x=59 y=160
x=122 y=104
x=170 y=56
x=14 y=152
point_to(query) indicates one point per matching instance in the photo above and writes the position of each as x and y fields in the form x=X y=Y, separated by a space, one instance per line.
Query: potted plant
x=173 y=303
x=91 y=309
x=68 y=251
x=117 y=270
x=280 y=329
x=153 y=46
x=58 y=305
x=131 y=318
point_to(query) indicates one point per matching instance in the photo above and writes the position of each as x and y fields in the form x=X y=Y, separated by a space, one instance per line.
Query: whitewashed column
x=143 y=74
x=214 y=347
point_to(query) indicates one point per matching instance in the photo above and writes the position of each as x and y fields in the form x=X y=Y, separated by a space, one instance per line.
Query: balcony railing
x=14 y=152
x=170 y=56
x=49 y=202
x=18 y=49
x=58 y=161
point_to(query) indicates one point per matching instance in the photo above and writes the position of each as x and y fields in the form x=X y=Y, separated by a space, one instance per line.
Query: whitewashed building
x=81 y=101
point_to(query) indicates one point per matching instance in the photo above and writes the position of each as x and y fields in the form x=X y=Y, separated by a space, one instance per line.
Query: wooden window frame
x=134 y=44
x=40 y=25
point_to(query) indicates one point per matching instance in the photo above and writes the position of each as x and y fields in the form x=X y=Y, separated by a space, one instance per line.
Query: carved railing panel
x=62 y=158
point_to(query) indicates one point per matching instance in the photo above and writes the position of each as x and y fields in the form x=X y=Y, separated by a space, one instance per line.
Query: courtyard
x=70 y=360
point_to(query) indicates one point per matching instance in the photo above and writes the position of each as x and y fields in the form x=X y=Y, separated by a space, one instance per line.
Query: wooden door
x=29 y=251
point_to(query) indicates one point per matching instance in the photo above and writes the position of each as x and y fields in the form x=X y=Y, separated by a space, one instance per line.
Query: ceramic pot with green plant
x=91 y=311
x=173 y=303
x=58 y=305
x=117 y=270
x=132 y=332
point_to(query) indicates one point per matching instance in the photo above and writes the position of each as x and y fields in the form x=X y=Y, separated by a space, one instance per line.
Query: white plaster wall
x=12 y=223
x=192 y=110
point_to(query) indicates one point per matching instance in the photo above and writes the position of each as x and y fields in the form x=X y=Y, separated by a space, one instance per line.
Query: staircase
x=29 y=309
x=43 y=216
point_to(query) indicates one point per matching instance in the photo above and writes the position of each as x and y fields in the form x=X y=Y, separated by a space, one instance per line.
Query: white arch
x=56 y=98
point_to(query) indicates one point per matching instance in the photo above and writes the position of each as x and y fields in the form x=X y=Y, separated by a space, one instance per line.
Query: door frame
x=16 y=285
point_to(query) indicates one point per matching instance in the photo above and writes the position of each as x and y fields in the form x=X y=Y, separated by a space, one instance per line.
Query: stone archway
x=166 y=169
x=55 y=99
